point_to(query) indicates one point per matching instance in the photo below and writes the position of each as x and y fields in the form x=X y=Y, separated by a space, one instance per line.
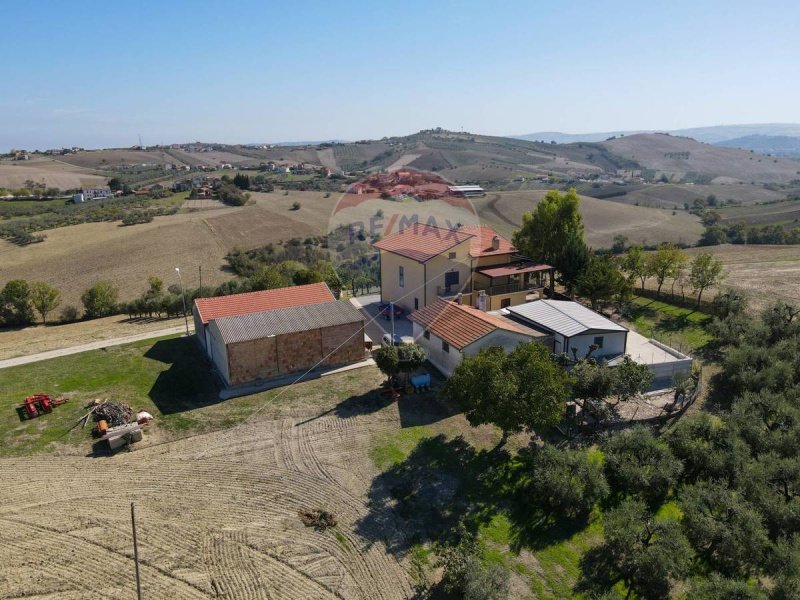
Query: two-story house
x=423 y=263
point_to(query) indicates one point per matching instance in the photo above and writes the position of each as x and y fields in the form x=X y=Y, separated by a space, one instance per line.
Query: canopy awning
x=514 y=269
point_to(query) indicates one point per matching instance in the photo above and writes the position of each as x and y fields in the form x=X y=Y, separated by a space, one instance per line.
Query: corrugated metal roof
x=564 y=317
x=422 y=242
x=457 y=324
x=253 y=326
x=252 y=302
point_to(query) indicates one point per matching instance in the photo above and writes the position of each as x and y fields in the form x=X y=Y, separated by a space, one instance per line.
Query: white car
x=399 y=340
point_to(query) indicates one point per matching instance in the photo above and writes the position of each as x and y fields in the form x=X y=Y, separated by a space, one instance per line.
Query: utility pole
x=391 y=312
x=136 y=552
x=183 y=295
x=200 y=291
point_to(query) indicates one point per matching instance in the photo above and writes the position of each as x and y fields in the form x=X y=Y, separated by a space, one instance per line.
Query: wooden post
x=136 y=553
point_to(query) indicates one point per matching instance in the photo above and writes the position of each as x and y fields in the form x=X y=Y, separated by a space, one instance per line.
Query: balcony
x=507 y=288
x=449 y=291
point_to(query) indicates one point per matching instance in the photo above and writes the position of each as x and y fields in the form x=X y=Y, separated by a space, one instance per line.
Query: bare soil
x=217 y=514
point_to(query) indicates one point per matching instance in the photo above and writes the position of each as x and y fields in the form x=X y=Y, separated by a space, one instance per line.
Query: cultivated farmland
x=47 y=172
x=602 y=219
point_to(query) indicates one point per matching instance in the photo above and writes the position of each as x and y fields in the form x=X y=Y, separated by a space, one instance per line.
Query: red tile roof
x=253 y=302
x=422 y=242
x=459 y=325
x=481 y=244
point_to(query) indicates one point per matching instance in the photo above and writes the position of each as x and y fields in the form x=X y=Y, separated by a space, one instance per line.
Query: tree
x=716 y=587
x=268 y=277
x=631 y=379
x=45 y=298
x=666 y=262
x=521 y=391
x=566 y=481
x=706 y=271
x=156 y=286
x=15 y=303
x=306 y=276
x=635 y=264
x=387 y=360
x=553 y=234
x=100 y=300
x=724 y=528
x=772 y=484
x=602 y=280
x=637 y=463
x=620 y=243
x=114 y=184
x=241 y=181
x=707 y=447
x=230 y=194
x=644 y=551
x=592 y=384
x=410 y=357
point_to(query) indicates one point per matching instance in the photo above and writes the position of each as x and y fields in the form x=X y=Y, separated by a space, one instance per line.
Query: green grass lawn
x=168 y=377
x=679 y=327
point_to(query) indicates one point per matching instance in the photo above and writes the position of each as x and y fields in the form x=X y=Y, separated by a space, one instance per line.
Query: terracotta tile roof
x=459 y=325
x=422 y=242
x=481 y=244
x=253 y=302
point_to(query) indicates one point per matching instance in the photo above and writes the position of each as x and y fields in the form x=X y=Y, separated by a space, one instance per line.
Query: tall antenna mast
x=140 y=141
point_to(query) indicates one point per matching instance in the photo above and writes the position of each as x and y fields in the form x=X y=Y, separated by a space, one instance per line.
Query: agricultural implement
x=39 y=404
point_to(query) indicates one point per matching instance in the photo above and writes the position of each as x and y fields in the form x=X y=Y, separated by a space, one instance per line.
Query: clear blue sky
x=101 y=73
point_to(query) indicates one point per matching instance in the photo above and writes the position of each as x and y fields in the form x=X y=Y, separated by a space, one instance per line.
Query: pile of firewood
x=318 y=519
x=113 y=413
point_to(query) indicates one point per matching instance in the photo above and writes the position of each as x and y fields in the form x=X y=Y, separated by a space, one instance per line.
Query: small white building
x=99 y=192
x=449 y=331
x=574 y=327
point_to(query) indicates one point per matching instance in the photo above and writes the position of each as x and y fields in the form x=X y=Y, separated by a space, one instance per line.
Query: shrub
x=100 y=300
x=69 y=314
x=296 y=205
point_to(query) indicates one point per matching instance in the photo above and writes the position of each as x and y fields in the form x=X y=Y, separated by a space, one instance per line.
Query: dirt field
x=72 y=258
x=216 y=513
x=602 y=219
x=663 y=195
x=664 y=153
x=767 y=273
x=48 y=172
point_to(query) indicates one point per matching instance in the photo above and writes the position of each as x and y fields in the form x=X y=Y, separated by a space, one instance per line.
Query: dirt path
x=216 y=517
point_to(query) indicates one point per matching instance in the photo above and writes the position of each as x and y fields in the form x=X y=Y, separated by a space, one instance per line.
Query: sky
x=100 y=74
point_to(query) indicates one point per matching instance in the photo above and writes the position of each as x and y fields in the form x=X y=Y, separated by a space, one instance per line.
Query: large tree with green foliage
x=644 y=551
x=520 y=391
x=45 y=298
x=706 y=271
x=635 y=263
x=637 y=463
x=602 y=281
x=15 y=303
x=100 y=300
x=553 y=234
x=666 y=262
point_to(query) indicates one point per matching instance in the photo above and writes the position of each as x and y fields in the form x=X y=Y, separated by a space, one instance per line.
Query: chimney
x=458 y=298
x=496 y=242
x=482 y=301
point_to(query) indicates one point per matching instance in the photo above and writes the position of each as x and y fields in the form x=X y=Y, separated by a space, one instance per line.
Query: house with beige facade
x=423 y=263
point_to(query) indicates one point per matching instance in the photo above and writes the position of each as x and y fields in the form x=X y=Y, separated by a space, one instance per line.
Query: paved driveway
x=376 y=325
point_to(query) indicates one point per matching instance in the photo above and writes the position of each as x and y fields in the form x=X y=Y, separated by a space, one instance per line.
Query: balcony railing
x=507 y=288
x=448 y=291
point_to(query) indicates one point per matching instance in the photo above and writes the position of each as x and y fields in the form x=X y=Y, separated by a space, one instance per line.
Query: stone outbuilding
x=259 y=345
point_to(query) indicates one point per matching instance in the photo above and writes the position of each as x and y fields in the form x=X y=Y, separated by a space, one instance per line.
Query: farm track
x=216 y=517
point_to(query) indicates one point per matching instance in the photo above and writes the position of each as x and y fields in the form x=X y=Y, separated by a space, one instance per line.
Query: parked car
x=399 y=340
x=386 y=311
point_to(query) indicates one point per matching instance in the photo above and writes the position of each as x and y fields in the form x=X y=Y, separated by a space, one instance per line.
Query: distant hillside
x=776 y=145
x=709 y=135
x=684 y=159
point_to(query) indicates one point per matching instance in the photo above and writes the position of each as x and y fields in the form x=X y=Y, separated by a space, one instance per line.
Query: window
x=452 y=256
x=451 y=279
x=427 y=334
x=402 y=276
x=445 y=346
x=505 y=302
x=416 y=303
x=598 y=341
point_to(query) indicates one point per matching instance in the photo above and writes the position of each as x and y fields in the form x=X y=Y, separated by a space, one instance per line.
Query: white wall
x=218 y=350
x=613 y=344
x=506 y=339
x=446 y=362
x=199 y=328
